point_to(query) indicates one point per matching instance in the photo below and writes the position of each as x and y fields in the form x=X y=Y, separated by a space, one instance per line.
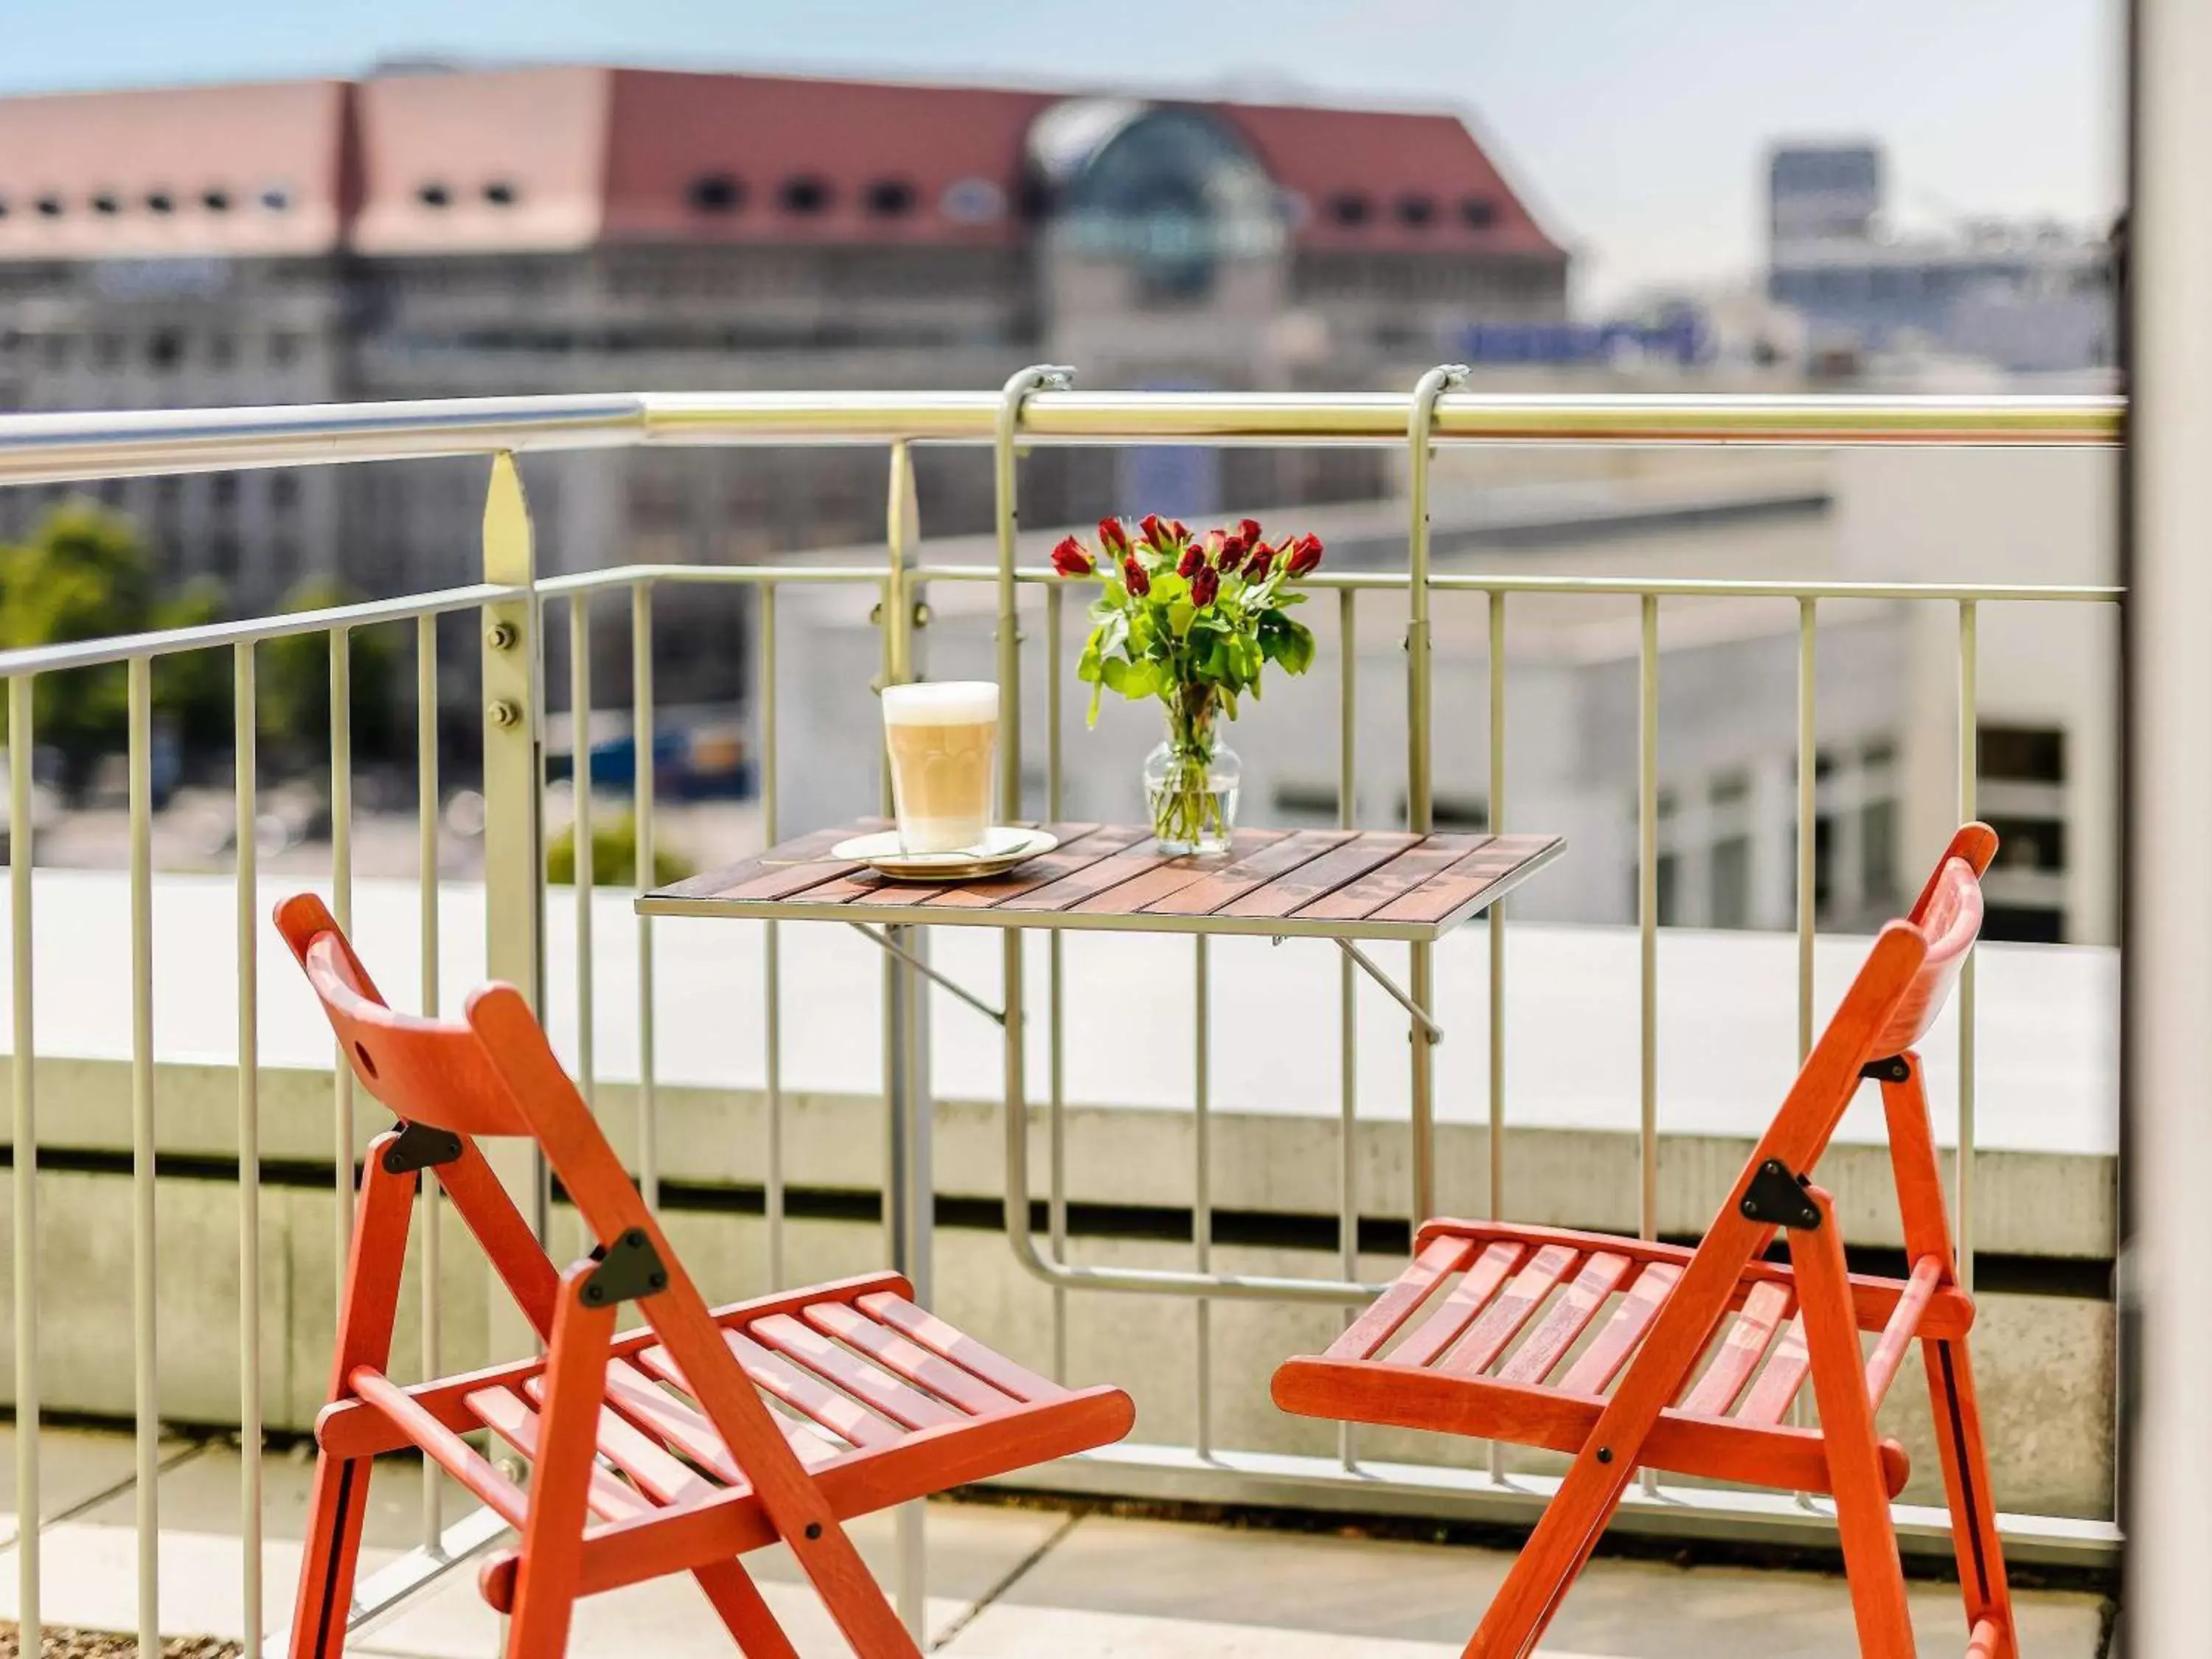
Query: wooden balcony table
x=1348 y=886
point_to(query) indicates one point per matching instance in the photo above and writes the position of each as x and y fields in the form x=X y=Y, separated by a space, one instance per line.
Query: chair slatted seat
x=675 y=1447
x=1625 y=1354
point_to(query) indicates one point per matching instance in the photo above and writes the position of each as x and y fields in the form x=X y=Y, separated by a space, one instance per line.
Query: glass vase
x=1191 y=779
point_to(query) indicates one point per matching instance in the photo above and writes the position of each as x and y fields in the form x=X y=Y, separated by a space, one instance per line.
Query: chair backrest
x=1894 y=998
x=425 y=1070
x=491 y=1073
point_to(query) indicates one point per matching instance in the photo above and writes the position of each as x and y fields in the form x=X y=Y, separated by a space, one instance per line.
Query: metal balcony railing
x=1036 y=408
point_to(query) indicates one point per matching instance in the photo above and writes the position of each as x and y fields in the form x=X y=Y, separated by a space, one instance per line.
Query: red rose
x=1070 y=558
x=1135 y=579
x=1155 y=529
x=1205 y=586
x=1179 y=530
x=1233 y=555
x=1249 y=530
x=1113 y=538
x=1256 y=569
x=1191 y=561
x=1304 y=554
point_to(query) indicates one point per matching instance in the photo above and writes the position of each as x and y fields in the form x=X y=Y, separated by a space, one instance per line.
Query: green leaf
x=1168 y=588
x=1097 y=691
x=1297 y=653
x=1087 y=666
x=1179 y=618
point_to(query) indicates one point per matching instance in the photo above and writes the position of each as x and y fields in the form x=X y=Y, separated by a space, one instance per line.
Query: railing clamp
x=421 y=1147
x=1778 y=1198
x=628 y=1272
x=1892 y=1070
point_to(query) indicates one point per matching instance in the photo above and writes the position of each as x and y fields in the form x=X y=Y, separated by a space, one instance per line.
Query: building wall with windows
x=582 y=229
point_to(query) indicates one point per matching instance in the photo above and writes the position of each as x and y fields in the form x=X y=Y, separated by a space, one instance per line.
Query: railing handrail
x=59 y=449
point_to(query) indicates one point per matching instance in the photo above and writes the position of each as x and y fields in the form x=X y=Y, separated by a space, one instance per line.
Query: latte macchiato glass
x=944 y=741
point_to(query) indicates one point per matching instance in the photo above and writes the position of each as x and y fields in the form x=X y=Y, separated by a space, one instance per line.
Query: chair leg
x=1566 y=1533
x=336 y=1510
x=1847 y=1432
x=738 y=1603
x=553 y=1533
x=1966 y=1487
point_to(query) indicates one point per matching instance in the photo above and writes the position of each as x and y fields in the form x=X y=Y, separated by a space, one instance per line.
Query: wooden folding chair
x=1459 y=1370
x=663 y=1434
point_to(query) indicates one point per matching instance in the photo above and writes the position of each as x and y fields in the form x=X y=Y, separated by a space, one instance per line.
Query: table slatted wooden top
x=1301 y=884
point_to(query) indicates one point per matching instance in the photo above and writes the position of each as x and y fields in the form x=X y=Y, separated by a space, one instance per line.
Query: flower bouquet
x=1192 y=620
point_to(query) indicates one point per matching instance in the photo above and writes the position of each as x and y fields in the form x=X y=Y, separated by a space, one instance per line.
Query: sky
x=1636 y=128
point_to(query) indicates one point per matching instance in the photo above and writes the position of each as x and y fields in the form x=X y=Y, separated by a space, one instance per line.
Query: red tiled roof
x=561 y=157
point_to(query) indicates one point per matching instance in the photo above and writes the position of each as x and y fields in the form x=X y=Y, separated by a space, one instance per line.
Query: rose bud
x=1155 y=529
x=1113 y=538
x=1135 y=579
x=1204 y=586
x=1250 y=530
x=1256 y=569
x=1070 y=559
x=1233 y=555
x=1304 y=554
x=1193 y=560
x=1177 y=528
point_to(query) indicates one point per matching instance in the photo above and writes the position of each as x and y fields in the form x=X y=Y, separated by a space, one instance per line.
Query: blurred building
x=2026 y=298
x=439 y=234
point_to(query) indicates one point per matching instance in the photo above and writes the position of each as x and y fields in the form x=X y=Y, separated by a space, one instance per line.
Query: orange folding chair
x=673 y=1448
x=1460 y=1370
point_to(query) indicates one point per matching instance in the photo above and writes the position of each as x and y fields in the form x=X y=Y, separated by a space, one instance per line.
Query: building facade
x=436 y=234
x=2035 y=299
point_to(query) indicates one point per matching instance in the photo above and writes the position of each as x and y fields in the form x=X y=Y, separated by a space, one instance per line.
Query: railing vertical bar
x=1647 y=934
x=584 y=867
x=1056 y=1105
x=1347 y=985
x=1495 y=916
x=1494 y=927
x=1808 y=819
x=1201 y=1204
x=1969 y=769
x=642 y=725
x=771 y=954
x=146 y=1387
x=341 y=650
x=25 y=1176
x=426 y=860
x=1647 y=920
x=246 y=811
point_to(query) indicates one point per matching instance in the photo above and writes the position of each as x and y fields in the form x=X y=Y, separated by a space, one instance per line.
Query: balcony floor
x=1005 y=1582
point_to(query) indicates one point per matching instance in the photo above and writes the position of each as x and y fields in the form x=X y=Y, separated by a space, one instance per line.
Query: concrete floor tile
x=1338 y=1588
x=75 y=1467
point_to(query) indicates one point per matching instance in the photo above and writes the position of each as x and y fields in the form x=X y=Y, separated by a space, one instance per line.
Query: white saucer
x=1001 y=849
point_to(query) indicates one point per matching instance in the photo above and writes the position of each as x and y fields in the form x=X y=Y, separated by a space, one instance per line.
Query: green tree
x=84 y=574
x=295 y=681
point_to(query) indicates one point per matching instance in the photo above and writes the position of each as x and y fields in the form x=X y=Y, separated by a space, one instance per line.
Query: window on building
x=501 y=192
x=51 y=206
x=222 y=490
x=890 y=198
x=1728 y=877
x=284 y=491
x=1349 y=207
x=282 y=348
x=807 y=193
x=165 y=348
x=108 y=349
x=276 y=198
x=3 y=207
x=1478 y=212
x=434 y=195
x=215 y=200
x=717 y=192
x=2022 y=754
x=107 y=202
x=221 y=350
x=56 y=351
x=223 y=556
x=1418 y=212
x=160 y=201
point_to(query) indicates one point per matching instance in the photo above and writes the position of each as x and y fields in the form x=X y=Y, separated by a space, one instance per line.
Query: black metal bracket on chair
x=1892 y=1070
x=421 y=1147
x=1778 y=1197
x=632 y=1269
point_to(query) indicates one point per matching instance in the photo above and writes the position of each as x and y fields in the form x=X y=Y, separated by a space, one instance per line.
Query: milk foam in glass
x=944 y=741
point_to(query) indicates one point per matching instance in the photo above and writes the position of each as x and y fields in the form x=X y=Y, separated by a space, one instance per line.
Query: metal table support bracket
x=879 y=937
x=1430 y=1029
